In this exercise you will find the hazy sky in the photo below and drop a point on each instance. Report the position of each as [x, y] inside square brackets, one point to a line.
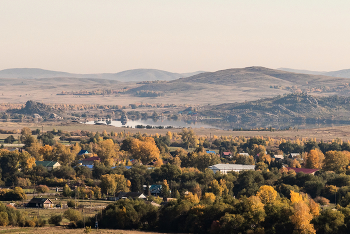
[95, 36]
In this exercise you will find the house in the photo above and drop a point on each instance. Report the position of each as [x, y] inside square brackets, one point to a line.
[49, 165]
[244, 154]
[124, 195]
[40, 203]
[224, 168]
[83, 152]
[210, 152]
[303, 170]
[294, 155]
[278, 157]
[89, 161]
[226, 154]
[155, 189]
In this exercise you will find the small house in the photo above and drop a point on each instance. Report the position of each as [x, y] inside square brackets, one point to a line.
[278, 157]
[127, 195]
[83, 152]
[89, 161]
[40, 203]
[226, 154]
[155, 189]
[294, 155]
[224, 168]
[210, 152]
[244, 154]
[49, 165]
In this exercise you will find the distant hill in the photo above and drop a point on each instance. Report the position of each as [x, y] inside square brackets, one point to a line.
[135, 75]
[341, 73]
[250, 77]
[286, 110]
[301, 71]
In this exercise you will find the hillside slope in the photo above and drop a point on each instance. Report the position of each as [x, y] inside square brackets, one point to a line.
[282, 110]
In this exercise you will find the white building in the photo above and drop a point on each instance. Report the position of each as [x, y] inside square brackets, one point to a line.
[224, 168]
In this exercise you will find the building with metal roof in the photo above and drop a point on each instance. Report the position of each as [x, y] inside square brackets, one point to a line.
[224, 168]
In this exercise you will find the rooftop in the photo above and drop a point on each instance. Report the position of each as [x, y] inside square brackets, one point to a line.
[232, 167]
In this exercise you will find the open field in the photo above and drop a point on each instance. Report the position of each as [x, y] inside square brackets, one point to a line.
[58, 230]
[329, 133]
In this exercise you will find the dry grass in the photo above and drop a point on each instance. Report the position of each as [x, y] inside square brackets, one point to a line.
[58, 230]
[329, 133]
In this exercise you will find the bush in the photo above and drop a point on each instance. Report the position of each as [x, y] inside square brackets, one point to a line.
[4, 219]
[73, 215]
[55, 219]
[42, 189]
[70, 203]
[322, 200]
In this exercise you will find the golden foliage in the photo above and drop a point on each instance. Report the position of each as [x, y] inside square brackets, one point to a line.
[267, 194]
[301, 218]
[295, 197]
[193, 198]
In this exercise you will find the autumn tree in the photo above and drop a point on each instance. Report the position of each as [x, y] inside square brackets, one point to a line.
[267, 194]
[314, 159]
[335, 161]
[145, 150]
[107, 151]
[46, 152]
[62, 154]
[114, 183]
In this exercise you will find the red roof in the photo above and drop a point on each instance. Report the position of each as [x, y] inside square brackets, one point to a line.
[92, 159]
[226, 153]
[304, 170]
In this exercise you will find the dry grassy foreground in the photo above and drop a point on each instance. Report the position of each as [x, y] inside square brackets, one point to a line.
[49, 230]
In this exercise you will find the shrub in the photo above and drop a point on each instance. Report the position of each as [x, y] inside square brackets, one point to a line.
[72, 215]
[4, 219]
[70, 203]
[42, 189]
[322, 200]
[55, 219]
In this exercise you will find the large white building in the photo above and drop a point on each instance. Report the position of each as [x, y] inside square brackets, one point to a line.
[224, 168]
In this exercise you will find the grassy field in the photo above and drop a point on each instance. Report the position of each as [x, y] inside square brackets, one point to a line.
[58, 230]
[329, 133]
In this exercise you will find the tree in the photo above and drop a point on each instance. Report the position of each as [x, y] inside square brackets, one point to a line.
[67, 192]
[335, 161]
[193, 198]
[113, 183]
[46, 152]
[10, 139]
[42, 189]
[189, 139]
[107, 152]
[165, 189]
[145, 150]
[55, 219]
[267, 194]
[73, 215]
[62, 154]
[301, 218]
[209, 198]
[314, 159]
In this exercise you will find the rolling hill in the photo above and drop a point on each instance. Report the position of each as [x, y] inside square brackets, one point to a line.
[286, 110]
[341, 73]
[135, 75]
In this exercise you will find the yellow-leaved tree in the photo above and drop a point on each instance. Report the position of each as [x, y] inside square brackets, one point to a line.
[302, 215]
[314, 159]
[267, 194]
[145, 150]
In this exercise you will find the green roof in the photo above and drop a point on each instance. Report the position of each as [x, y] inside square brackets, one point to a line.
[45, 163]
